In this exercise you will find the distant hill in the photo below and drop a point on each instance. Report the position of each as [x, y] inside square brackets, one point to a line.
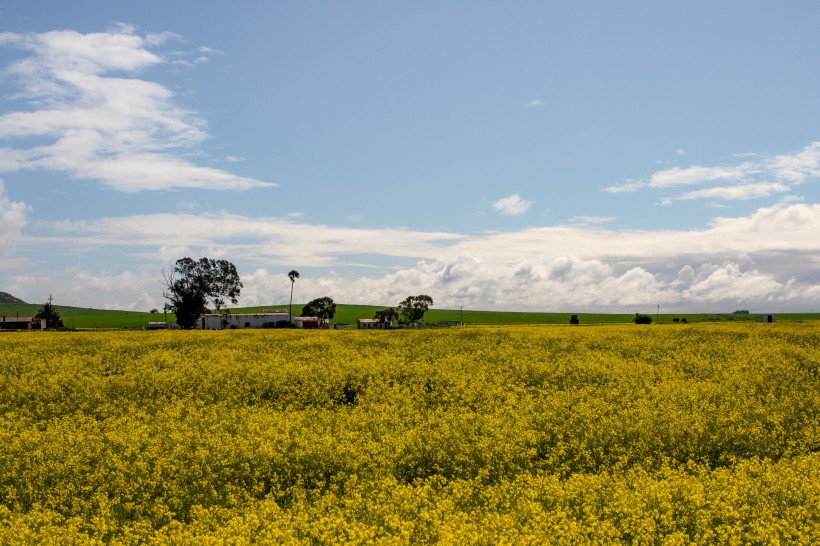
[5, 297]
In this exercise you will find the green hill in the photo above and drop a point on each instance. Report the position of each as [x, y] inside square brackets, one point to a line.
[5, 297]
[87, 318]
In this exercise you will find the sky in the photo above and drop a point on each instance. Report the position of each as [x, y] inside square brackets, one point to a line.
[576, 156]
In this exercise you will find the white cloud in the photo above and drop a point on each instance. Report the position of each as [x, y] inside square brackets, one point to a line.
[564, 283]
[740, 192]
[785, 228]
[758, 176]
[680, 151]
[535, 102]
[12, 220]
[767, 258]
[98, 121]
[799, 167]
[127, 290]
[586, 220]
[629, 186]
[257, 240]
[512, 205]
[697, 175]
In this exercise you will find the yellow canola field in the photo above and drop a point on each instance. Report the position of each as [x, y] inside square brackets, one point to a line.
[663, 434]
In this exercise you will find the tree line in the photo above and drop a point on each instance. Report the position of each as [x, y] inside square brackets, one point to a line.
[193, 285]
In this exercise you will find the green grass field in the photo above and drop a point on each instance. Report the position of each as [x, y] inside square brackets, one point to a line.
[86, 318]
[348, 314]
[82, 318]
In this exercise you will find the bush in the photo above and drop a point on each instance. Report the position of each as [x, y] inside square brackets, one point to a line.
[642, 319]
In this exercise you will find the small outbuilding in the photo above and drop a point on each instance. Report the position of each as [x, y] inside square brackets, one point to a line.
[308, 323]
[162, 326]
[372, 324]
[766, 318]
[21, 322]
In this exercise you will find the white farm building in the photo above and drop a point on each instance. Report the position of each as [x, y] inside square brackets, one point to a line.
[372, 324]
[241, 320]
[230, 321]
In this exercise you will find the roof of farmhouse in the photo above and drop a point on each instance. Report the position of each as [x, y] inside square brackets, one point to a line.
[245, 314]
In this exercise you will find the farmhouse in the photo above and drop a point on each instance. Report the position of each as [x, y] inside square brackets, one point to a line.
[241, 320]
[372, 324]
[21, 322]
[230, 321]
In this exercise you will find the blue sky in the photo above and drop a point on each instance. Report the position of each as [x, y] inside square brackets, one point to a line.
[525, 155]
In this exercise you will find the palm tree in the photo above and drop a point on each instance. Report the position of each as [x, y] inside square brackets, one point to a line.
[49, 313]
[292, 275]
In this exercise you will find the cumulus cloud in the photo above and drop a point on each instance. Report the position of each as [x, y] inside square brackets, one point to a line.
[93, 118]
[512, 205]
[549, 284]
[126, 290]
[562, 283]
[771, 257]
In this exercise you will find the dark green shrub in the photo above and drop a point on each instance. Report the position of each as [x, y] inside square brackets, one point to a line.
[642, 319]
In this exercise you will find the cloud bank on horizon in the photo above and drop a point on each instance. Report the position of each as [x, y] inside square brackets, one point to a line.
[85, 109]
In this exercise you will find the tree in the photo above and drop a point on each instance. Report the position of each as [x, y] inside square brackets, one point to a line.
[387, 315]
[193, 284]
[292, 275]
[49, 313]
[412, 309]
[154, 311]
[322, 308]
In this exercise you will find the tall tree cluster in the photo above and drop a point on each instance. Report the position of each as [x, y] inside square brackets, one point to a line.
[413, 308]
[323, 308]
[194, 284]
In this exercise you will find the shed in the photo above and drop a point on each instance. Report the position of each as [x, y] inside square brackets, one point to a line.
[372, 324]
[308, 323]
[766, 318]
[21, 322]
